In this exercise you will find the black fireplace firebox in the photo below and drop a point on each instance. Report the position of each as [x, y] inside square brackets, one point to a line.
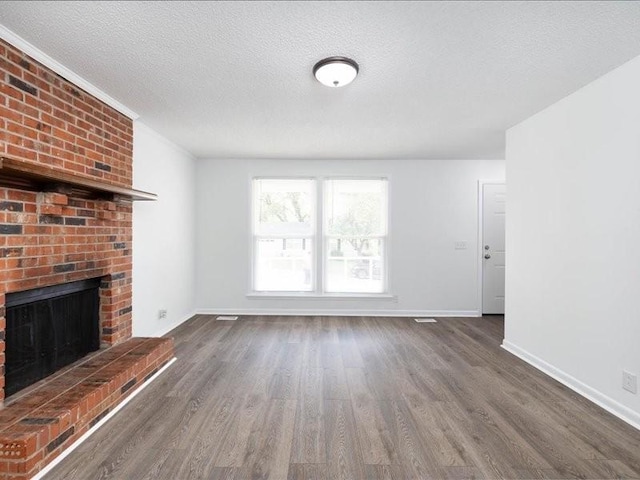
[49, 328]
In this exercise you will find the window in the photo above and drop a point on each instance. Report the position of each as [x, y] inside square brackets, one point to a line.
[320, 237]
[284, 231]
[355, 229]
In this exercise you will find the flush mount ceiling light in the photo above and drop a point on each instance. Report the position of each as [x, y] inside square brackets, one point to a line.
[335, 71]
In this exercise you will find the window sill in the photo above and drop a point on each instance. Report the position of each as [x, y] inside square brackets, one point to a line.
[319, 296]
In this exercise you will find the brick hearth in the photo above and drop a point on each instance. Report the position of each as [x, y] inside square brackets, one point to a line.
[38, 426]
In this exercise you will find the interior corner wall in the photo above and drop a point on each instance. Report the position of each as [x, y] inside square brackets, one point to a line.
[573, 240]
[432, 204]
[163, 234]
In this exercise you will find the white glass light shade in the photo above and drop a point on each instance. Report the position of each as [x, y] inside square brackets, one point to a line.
[335, 71]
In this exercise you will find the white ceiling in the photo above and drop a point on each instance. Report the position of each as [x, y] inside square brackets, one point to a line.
[234, 79]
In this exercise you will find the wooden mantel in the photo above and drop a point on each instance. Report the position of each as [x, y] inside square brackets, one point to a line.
[17, 173]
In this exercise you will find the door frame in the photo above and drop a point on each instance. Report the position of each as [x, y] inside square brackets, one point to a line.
[480, 250]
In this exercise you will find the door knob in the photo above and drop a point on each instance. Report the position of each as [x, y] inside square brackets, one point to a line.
[487, 256]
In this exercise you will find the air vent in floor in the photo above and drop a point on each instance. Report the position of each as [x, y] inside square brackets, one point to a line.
[425, 320]
[227, 317]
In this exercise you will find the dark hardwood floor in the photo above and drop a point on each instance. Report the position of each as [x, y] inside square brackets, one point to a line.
[353, 398]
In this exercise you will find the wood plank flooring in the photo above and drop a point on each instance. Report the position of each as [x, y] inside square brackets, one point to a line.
[328, 398]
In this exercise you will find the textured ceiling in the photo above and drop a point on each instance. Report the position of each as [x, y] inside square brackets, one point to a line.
[233, 79]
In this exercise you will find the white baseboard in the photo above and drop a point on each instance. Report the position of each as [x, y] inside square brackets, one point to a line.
[339, 312]
[597, 397]
[104, 420]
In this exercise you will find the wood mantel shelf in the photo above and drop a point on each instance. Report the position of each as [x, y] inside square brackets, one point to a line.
[17, 173]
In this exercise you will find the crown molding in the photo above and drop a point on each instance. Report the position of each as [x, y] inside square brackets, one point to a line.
[63, 71]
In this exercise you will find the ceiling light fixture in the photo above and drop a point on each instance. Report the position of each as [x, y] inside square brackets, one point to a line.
[335, 71]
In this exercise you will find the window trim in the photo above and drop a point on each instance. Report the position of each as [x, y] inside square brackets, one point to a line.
[320, 240]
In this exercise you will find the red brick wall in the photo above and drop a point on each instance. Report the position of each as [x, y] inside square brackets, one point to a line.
[49, 238]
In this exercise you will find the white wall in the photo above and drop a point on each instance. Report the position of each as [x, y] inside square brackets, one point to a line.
[163, 234]
[573, 239]
[432, 205]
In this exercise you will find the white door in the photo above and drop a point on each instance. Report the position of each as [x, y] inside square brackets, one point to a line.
[493, 217]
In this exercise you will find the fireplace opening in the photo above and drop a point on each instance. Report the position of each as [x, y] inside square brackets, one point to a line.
[48, 328]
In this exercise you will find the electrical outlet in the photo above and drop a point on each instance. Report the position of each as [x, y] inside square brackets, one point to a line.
[162, 314]
[629, 382]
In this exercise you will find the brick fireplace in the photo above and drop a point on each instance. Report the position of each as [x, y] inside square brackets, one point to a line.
[52, 237]
[65, 216]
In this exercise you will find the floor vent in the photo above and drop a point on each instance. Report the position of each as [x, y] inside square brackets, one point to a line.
[227, 317]
[425, 320]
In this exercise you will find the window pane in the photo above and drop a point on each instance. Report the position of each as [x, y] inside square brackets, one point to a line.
[356, 207]
[284, 207]
[355, 265]
[283, 265]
